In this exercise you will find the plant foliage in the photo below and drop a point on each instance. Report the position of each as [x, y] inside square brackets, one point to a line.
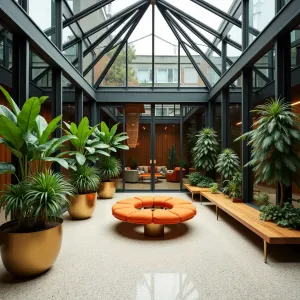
[172, 157]
[287, 216]
[206, 149]
[261, 199]
[85, 179]
[275, 144]
[228, 163]
[233, 187]
[197, 179]
[110, 167]
[214, 188]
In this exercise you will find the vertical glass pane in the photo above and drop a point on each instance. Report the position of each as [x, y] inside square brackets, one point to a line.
[137, 173]
[235, 117]
[295, 50]
[5, 48]
[40, 72]
[140, 52]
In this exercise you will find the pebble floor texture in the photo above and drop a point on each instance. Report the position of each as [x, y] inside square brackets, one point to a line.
[103, 258]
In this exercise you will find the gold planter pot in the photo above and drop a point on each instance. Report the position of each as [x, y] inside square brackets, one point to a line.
[32, 253]
[82, 206]
[107, 190]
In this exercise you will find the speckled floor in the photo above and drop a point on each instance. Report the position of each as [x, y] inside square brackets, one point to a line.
[103, 258]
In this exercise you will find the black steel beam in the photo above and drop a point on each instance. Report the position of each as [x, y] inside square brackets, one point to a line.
[211, 114]
[247, 99]
[153, 45]
[86, 12]
[188, 17]
[140, 95]
[225, 119]
[78, 104]
[136, 20]
[116, 17]
[287, 19]
[15, 18]
[193, 44]
[224, 56]
[111, 44]
[80, 57]
[202, 76]
[218, 12]
[93, 115]
[245, 29]
[126, 64]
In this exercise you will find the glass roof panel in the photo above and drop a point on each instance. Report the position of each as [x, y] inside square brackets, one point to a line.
[221, 4]
[198, 12]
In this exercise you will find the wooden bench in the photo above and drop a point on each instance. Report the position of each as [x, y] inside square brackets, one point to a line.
[249, 217]
[196, 190]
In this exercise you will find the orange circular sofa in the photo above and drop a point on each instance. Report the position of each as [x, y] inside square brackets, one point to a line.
[154, 212]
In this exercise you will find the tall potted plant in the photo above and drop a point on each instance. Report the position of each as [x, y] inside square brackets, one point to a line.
[205, 152]
[109, 167]
[172, 157]
[31, 242]
[275, 144]
[82, 153]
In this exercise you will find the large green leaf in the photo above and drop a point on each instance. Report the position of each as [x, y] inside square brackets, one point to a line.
[102, 152]
[58, 143]
[15, 152]
[40, 125]
[113, 130]
[61, 161]
[80, 158]
[82, 132]
[43, 99]
[11, 102]
[7, 168]
[29, 138]
[30, 110]
[6, 112]
[50, 128]
[124, 147]
[11, 132]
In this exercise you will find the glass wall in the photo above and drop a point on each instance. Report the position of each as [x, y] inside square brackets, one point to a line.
[193, 122]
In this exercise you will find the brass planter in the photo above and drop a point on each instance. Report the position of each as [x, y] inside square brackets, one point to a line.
[107, 190]
[32, 253]
[82, 206]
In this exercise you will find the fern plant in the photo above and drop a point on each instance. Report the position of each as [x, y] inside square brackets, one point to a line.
[85, 179]
[275, 144]
[228, 163]
[206, 150]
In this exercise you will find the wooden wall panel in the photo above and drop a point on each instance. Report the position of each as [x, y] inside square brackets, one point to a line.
[5, 155]
[165, 137]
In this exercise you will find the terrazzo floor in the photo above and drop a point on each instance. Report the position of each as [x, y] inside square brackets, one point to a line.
[103, 258]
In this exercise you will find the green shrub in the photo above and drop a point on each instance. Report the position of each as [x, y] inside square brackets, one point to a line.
[228, 163]
[110, 167]
[197, 179]
[233, 187]
[287, 216]
[261, 198]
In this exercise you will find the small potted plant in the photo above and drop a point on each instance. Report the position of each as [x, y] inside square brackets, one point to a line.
[261, 199]
[214, 188]
[110, 167]
[85, 179]
[31, 241]
[233, 188]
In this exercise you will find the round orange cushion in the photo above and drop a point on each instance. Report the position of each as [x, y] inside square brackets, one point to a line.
[141, 217]
[147, 200]
[183, 213]
[161, 216]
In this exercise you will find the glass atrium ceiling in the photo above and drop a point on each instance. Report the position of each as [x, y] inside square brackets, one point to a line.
[131, 43]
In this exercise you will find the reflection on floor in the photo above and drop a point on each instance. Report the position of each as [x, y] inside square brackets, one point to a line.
[103, 258]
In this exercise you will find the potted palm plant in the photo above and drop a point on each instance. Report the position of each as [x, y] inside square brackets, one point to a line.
[31, 241]
[109, 168]
[85, 179]
[82, 153]
[205, 152]
[275, 145]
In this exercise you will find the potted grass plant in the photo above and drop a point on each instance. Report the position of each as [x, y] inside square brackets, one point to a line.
[83, 153]
[109, 167]
[31, 241]
[85, 179]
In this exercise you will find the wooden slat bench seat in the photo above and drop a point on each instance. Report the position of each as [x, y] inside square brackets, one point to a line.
[249, 217]
[196, 190]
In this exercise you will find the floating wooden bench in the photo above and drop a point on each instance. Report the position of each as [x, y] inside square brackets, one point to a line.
[196, 190]
[249, 217]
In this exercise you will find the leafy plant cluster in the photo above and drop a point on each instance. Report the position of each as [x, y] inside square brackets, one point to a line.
[197, 179]
[261, 198]
[214, 188]
[287, 216]
[233, 187]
